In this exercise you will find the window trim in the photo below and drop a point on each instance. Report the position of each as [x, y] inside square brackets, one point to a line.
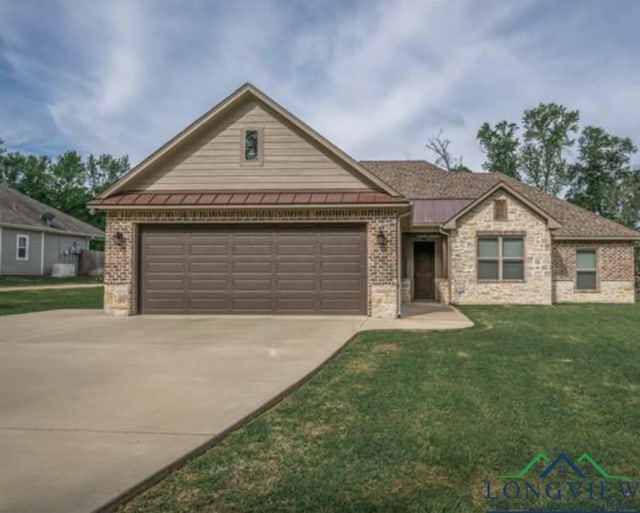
[501, 259]
[260, 160]
[596, 270]
[26, 247]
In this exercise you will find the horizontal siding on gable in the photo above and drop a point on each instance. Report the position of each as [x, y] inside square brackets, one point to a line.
[213, 162]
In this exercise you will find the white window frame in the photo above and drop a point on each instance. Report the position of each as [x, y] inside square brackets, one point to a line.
[595, 270]
[26, 247]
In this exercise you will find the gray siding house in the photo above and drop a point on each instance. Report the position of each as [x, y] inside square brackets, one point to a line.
[34, 236]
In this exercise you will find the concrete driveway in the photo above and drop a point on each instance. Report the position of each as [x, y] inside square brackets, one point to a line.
[91, 405]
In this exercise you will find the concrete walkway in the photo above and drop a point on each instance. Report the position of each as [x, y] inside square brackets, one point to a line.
[47, 287]
[422, 316]
[90, 405]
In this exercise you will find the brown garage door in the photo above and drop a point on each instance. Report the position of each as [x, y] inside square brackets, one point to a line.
[287, 269]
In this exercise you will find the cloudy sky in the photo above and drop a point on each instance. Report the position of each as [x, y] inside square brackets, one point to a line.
[375, 77]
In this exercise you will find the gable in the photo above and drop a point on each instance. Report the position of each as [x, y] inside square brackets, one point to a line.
[506, 192]
[215, 160]
[518, 216]
[208, 155]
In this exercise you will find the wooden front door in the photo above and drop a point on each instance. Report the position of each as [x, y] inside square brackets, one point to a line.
[424, 270]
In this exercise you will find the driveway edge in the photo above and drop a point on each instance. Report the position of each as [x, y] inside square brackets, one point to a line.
[139, 488]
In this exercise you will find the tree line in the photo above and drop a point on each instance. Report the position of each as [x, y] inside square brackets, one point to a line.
[67, 182]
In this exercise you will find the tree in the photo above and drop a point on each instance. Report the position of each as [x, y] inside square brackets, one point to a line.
[500, 144]
[601, 178]
[66, 183]
[548, 130]
[440, 147]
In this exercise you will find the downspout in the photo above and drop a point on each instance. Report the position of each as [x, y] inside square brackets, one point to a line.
[42, 240]
[442, 232]
[0, 250]
[399, 258]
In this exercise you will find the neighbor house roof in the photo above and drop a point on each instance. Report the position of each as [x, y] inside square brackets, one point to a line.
[21, 211]
[244, 199]
[434, 190]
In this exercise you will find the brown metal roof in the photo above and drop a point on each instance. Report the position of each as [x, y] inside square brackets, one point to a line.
[437, 210]
[187, 199]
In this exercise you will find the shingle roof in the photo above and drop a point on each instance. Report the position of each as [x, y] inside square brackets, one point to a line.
[17, 209]
[420, 180]
[199, 199]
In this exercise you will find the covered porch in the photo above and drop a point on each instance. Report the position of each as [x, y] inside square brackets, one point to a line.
[424, 267]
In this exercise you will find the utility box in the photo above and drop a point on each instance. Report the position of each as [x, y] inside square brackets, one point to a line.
[63, 270]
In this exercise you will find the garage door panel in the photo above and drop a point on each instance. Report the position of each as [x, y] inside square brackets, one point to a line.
[304, 269]
[296, 306]
[165, 267]
[329, 268]
[295, 267]
[208, 284]
[205, 268]
[251, 284]
[296, 284]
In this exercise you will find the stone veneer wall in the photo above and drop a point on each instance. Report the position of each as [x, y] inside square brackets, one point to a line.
[382, 262]
[615, 273]
[442, 290]
[466, 289]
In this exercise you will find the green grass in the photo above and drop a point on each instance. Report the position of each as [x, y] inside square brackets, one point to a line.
[28, 281]
[408, 421]
[24, 301]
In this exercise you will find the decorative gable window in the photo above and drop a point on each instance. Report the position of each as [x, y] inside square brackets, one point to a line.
[22, 247]
[500, 210]
[251, 145]
[586, 269]
[500, 259]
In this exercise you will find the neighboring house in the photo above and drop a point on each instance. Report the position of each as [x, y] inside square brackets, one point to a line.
[34, 236]
[248, 210]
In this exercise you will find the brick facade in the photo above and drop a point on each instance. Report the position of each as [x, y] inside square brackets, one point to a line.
[615, 272]
[534, 289]
[382, 260]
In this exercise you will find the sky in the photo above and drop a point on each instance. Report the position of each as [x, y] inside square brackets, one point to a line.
[375, 77]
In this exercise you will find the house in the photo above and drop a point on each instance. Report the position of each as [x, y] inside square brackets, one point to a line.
[34, 236]
[248, 210]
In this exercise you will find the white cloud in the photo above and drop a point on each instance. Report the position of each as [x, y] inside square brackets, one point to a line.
[376, 78]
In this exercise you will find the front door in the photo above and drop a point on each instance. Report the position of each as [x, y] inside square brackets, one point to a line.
[424, 270]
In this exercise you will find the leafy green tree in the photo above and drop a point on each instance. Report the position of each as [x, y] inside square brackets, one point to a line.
[26, 173]
[602, 179]
[66, 183]
[500, 144]
[548, 132]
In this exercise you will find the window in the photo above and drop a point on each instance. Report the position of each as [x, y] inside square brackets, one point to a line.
[500, 258]
[500, 210]
[586, 270]
[251, 145]
[22, 247]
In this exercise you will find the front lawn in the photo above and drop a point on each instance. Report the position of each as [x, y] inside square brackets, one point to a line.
[24, 301]
[407, 421]
[29, 281]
